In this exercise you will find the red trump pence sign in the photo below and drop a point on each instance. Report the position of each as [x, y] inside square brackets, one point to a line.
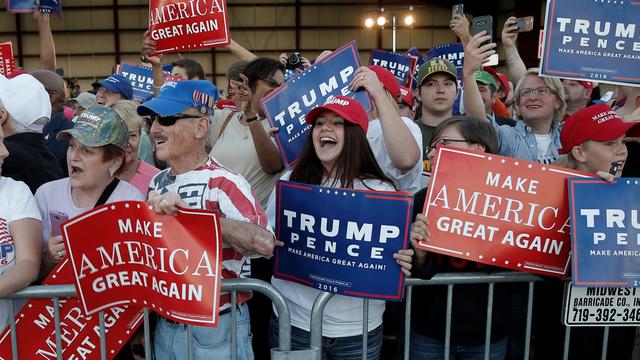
[7, 64]
[499, 211]
[185, 25]
[170, 264]
[79, 334]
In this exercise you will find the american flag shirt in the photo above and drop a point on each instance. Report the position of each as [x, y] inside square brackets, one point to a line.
[213, 187]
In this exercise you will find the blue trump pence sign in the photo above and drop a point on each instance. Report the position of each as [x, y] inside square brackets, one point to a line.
[342, 240]
[601, 42]
[605, 232]
[286, 107]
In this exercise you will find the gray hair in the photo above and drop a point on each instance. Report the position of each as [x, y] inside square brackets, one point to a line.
[18, 128]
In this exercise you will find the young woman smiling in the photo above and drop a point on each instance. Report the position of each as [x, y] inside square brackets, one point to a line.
[337, 154]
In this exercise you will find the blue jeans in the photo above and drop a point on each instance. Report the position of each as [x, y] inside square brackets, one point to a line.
[170, 342]
[423, 347]
[340, 348]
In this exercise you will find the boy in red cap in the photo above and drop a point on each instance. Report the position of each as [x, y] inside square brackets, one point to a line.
[593, 139]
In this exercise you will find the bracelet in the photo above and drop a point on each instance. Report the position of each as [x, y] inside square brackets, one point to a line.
[251, 119]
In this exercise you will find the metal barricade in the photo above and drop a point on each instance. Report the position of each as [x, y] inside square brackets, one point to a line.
[55, 292]
[450, 280]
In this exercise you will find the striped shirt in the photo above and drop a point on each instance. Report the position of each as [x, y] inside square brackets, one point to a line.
[519, 141]
[213, 187]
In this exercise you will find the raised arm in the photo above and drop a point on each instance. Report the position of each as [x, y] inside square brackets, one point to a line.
[515, 65]
[474, 55]
[47, 46]
[460, 26]
[403, 150]
[239, 51]
[148, 47]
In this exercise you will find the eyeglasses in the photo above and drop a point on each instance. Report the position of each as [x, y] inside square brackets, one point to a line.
[272, 83]
[442, 141]
[168, 120]
[541, 91]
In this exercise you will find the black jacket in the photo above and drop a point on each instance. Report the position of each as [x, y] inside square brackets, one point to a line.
[30, 161]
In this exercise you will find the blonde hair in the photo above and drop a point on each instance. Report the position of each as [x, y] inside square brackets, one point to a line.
[554, 84]
[126, 109]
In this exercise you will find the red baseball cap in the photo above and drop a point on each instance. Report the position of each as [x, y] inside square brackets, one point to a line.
[501, 78]
[346, 107]
[406, 95]
[387, 79]
[587, 85]
[597, 123]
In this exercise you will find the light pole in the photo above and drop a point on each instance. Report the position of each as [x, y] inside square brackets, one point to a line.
[382, 20]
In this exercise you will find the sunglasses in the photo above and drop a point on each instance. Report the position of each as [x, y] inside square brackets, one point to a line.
[168, 120]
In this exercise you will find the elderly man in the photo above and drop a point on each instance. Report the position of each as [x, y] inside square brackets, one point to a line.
[24, 110]
[180, 116]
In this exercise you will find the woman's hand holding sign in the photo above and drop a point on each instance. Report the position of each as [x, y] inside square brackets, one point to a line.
[419, 232]
[55, 248]
[404, 258]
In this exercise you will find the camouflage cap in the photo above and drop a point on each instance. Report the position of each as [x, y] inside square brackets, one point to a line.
[434, 66]
[99, 126]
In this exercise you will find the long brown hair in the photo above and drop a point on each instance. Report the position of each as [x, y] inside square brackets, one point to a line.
[355, 162]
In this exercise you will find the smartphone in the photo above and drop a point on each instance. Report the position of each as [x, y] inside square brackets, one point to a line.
[525, 23]
[457, 9]
[483, 23]
[57, 218]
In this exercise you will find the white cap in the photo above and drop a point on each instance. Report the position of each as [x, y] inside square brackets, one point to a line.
[25, 99]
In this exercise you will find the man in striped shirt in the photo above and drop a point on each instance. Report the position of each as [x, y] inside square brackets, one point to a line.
[180, 126]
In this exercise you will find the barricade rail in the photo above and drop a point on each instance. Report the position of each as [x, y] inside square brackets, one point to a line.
[55, 292]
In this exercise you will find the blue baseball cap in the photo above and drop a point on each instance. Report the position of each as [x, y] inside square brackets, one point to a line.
[176, 96]
[118, 84]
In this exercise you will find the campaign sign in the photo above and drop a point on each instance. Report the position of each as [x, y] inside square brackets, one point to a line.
[286, 107]
[79, 334]
[511, 213]
[50, 6]
[7, 63]
[597, 43]
[141, 78]
[601, 306]
[20, 6]
[414, 52]
[605, 232]
[453, 52]
[183, 25]
[342, 240]
[400, 65]
[170, 264]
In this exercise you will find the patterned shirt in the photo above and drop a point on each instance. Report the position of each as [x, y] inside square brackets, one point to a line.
[519, 141]
[213, 187]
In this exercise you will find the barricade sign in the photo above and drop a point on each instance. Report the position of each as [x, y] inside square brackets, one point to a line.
[605, 232]
[342, 240]
[597, 43]
[7, 63]
[170, 264]
[182, 25]
[286, 107]
[400, 65]
[80, 334]
[598, 306]
[141, 78]
[511, 213]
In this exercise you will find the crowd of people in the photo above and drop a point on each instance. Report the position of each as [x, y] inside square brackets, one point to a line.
[62, 155]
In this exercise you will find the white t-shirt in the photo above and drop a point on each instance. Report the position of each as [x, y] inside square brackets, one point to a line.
[343, 314]
[408, 181]
[56, 195]
[16, 203]
[235, 150]
[543, 142]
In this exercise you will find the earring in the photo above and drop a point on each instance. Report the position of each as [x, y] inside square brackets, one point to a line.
[111, 172]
